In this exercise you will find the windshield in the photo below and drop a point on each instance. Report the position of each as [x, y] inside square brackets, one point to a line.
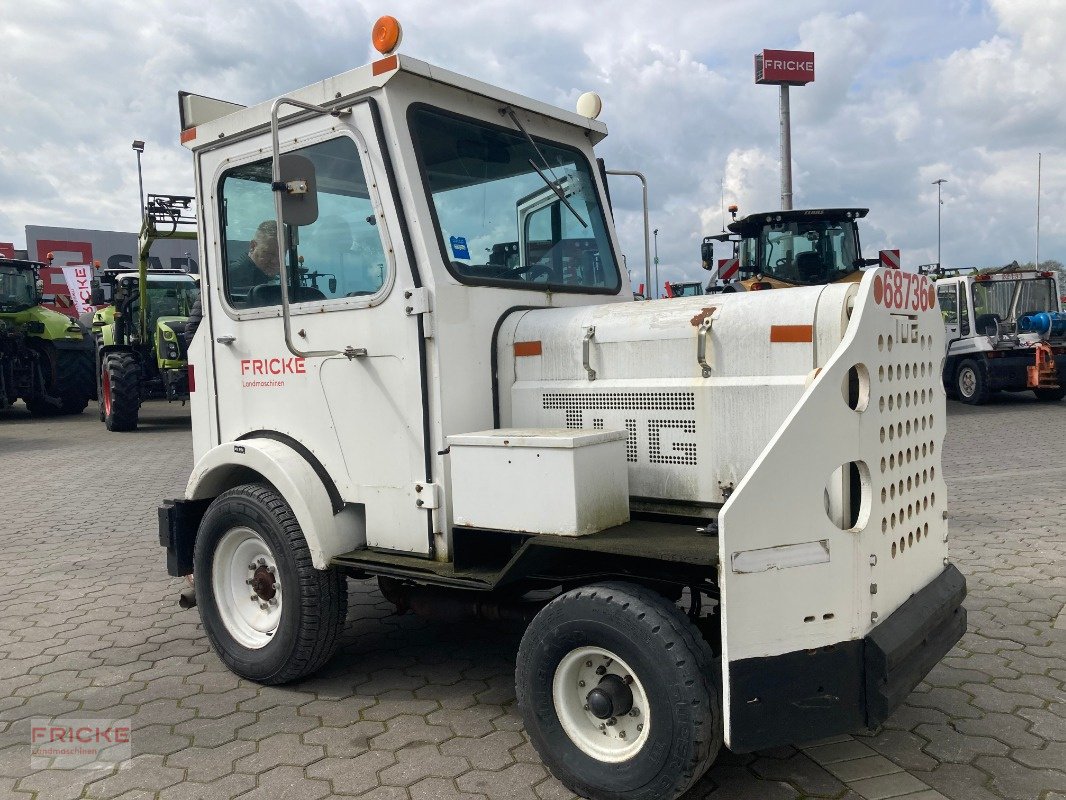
[802, 252]
[998, 297]
[499, 223]
[171, 298]
[17, 288]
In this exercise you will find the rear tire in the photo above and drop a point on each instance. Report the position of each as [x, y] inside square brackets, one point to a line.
[120, 391]
[73, 386]
[264, 641]
[652, 656]
[971, 383]
[1050, 395]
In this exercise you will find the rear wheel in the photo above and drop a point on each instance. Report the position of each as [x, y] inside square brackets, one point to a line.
[268, 613]
[971, 383]
[72, 386]
[120, 391]
[1050, 395]
[618, 694]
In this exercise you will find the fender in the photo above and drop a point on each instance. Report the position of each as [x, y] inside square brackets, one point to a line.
[232, 463]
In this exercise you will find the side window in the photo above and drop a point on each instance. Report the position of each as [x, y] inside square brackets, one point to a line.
[339, 255]
[949, 303]
[964, 311]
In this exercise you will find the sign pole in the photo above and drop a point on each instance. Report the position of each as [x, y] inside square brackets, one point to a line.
[786, 151]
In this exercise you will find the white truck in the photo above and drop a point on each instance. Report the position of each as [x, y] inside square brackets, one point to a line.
[724, 517]
[1005, 331]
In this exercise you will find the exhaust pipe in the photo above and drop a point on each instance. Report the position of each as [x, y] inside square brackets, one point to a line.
[187, 598]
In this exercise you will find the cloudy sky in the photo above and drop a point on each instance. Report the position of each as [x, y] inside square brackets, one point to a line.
[907, 91]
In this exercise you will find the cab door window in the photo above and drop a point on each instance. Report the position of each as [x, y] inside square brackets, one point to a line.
[949, 303]
[339, 256]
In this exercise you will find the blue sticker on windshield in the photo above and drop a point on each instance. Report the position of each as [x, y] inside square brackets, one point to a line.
[459, 248]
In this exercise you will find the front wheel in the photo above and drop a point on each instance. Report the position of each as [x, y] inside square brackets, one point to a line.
[618, 694]
[120, 391]
[1050, 395]
[971, 383]
[269, 614]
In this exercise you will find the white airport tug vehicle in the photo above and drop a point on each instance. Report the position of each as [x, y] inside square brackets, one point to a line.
[1005, 330]
[724, 518]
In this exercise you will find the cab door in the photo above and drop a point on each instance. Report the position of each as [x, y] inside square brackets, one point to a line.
[353, 401]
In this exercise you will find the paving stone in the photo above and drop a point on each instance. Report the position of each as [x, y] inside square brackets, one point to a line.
[207, 764]
[492, 752]
[352, 775]
[801, 772]
[416, 763]
[281, 748]
[287, 783]
[861, 768]
[896, 784]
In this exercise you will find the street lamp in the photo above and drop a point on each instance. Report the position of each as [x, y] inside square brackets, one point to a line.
[656, 234]
[938, 183]
[138, 145]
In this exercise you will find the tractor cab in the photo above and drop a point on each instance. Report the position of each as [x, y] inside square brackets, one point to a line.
[684, 289]
[808, 247]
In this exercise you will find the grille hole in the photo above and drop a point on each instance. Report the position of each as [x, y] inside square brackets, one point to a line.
[847, 496]
[856, 388]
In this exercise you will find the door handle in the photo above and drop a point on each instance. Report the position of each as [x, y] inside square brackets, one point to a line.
[227, 339]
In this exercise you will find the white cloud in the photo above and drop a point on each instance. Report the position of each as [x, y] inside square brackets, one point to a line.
[906, 92]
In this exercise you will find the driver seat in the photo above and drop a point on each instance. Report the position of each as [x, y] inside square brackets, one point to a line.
[809, 266]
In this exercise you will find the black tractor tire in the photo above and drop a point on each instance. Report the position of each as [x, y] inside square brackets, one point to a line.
[1050, 395]
[98, 361]
[313, 604]
[120, 391]
[72, 385]
[971, 383]
[672, 668]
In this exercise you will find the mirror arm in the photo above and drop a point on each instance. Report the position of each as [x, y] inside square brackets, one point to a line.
[275, 183]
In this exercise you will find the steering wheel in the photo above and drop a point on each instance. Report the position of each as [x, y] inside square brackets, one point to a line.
[781, 262]
[534, 270]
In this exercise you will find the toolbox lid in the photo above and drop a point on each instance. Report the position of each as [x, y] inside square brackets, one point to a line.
[535, 437]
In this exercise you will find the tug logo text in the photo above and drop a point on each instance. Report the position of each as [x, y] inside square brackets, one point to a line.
[269, 373]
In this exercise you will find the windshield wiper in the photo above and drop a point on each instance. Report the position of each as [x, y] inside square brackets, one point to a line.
[551, 184]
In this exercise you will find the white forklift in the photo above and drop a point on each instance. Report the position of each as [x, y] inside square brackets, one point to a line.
[724, 518]
[1005, 331]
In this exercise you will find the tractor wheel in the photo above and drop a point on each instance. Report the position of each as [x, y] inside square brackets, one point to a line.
[971, 383]
[1050, 395]
[72, 386]
[120, 391]
[618, 693]
[268, 613]
[99, 362]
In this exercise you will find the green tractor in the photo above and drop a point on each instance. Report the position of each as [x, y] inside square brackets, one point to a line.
[46, 358]
[140, 335]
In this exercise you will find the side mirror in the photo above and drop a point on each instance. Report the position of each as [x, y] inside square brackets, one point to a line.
[299, 192]
[332, 285]
[96, 296]
[707, 253]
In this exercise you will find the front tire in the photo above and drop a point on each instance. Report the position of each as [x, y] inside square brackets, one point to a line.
[72, 386]
[120, 391]
[971, 383]
[269, 614]
[618, 694]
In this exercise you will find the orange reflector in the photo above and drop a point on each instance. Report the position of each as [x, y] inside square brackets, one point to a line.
[527, 348]
[188, 135]
[791, 333]
[386, 34]
[385, 65]
[192, 380]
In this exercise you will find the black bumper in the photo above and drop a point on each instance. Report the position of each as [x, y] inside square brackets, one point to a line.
[849, 686]
[178, 522]
[1010, 372]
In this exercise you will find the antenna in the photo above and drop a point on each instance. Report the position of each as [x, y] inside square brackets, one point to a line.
[1039, 159]
[723, 204]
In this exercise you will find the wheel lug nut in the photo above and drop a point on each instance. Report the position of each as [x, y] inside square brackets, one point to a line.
[628, 679]
[249, 581]
[588, 663]
[251, 567]
[273, 601]
[621, 734]
[634, 712]
[255, 598]
[640, 726]
[580, 683]
[612, 721]
[586, 706]
[601, 670]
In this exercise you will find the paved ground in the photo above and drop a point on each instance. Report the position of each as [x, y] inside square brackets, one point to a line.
[89, 627]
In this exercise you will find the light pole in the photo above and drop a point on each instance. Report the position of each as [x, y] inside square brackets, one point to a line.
[138, 146]
[656, 234]
[938, 183]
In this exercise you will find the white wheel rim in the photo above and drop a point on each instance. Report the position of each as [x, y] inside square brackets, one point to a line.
[247, 587]
[614, 740]
[967, 382]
